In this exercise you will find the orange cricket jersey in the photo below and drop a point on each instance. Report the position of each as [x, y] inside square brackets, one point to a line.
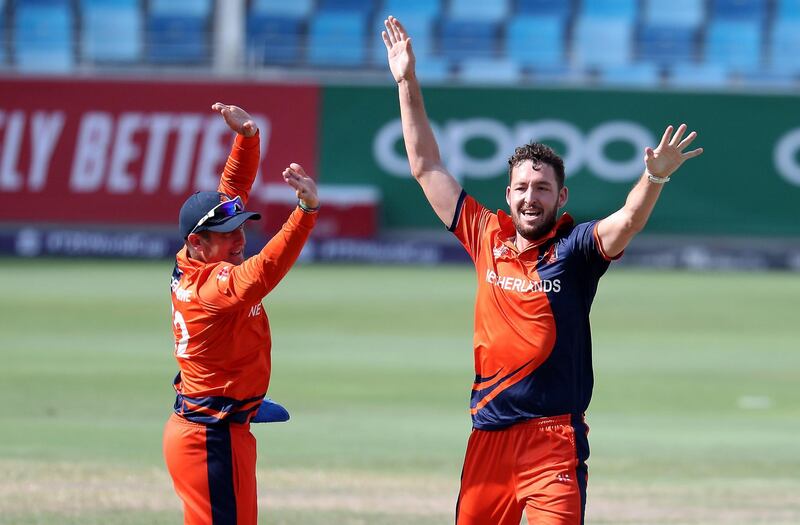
[532, 342]
[222, 334]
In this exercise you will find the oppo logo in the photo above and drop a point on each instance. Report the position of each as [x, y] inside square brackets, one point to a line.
[785, 156]
[580, 149]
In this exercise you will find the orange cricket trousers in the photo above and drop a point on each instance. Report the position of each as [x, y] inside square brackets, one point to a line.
[537, 467]
[213, 469]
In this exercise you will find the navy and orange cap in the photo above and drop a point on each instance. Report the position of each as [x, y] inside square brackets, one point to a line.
[194, 216]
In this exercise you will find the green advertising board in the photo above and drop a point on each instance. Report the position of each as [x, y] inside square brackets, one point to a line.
[746, 183]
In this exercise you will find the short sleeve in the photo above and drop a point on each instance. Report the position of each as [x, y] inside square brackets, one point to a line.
[584, 242]
[469, 221]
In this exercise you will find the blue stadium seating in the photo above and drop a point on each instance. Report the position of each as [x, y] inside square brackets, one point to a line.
[623, 42]
[787, 10]
[187, 8]
[641, 74]
[479, 10]
[467, 39]
[177, 39]
[433, 70]
[364, 7]
[698, 76]
[536, 40]
[489, 71]
[626, 10]
[282, 8]
[275, 39]
[667, 45]
[562, 9]
[337, 39]
[674, 13]
[734, 44]
[784, 47]
[43, 36]
[560, 75]
[616, 37]
[751, 10]
[3, 38]
[417, 9]
[767, 79]
[111, 30]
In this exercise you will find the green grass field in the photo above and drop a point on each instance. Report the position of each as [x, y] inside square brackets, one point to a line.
[695, 418]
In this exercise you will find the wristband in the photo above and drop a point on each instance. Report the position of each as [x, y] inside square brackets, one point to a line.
[306, 208]
[657, 180]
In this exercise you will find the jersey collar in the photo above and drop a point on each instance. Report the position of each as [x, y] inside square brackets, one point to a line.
[508, 231]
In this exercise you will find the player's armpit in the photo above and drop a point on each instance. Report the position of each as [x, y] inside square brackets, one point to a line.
[442, 192]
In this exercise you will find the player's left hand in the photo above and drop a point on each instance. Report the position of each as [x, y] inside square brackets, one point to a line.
[236, 118]
[668, 155]
[304, 186]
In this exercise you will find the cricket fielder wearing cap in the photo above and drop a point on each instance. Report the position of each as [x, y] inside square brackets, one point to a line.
[222, 334]
[537, 275]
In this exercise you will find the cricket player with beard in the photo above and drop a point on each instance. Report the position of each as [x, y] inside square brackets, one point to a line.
[222, 334]
[537, 274]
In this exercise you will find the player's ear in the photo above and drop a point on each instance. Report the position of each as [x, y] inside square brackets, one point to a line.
[563, 196]
[195, 243]
[508, 196]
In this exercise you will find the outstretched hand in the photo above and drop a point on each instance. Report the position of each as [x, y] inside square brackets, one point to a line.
[668, 155]
[398, 48]
[304, 186]
[236, 118]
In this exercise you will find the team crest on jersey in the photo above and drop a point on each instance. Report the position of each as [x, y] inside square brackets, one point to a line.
[551, 255]
[224, 273]
[500, 251]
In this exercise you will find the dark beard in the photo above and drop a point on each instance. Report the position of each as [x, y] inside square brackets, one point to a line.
[536, 232]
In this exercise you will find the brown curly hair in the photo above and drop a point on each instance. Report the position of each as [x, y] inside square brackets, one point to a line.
[538, 154]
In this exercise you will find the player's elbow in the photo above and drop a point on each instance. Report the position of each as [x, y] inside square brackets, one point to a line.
[421, 168]
[631, 224]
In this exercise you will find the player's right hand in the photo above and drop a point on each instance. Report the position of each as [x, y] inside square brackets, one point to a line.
[304, 186]
[236, 118]
[398, 48]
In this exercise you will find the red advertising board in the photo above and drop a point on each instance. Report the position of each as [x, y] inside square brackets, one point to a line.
[130, 152]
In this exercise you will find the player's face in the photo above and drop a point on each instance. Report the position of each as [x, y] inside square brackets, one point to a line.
[228, 247]
[534, 198]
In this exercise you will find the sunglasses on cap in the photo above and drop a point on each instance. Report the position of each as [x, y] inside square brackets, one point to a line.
[223, 210]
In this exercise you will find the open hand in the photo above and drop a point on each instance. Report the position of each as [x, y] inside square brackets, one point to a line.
[236, 118]
[668, 155]
[304, 186]
[398, 47]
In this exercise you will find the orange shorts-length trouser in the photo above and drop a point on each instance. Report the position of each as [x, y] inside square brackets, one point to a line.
[213, 469]
[537, 467]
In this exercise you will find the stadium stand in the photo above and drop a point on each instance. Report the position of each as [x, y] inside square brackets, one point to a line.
[490, 71]
[468, 39]
[687, 75]
[666, 45]
[536, 41]
[616, 35]
[112, 31]
[685, 14]
[337, 38]
[641, 43]
[641, 75]
[43, 36]
[735, 44]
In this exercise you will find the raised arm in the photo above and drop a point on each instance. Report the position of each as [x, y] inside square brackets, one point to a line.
[241, 167]
[440, 188]
[247, 283]
[617, 230]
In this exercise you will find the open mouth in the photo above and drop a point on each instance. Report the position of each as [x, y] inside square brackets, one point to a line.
[531, 213]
